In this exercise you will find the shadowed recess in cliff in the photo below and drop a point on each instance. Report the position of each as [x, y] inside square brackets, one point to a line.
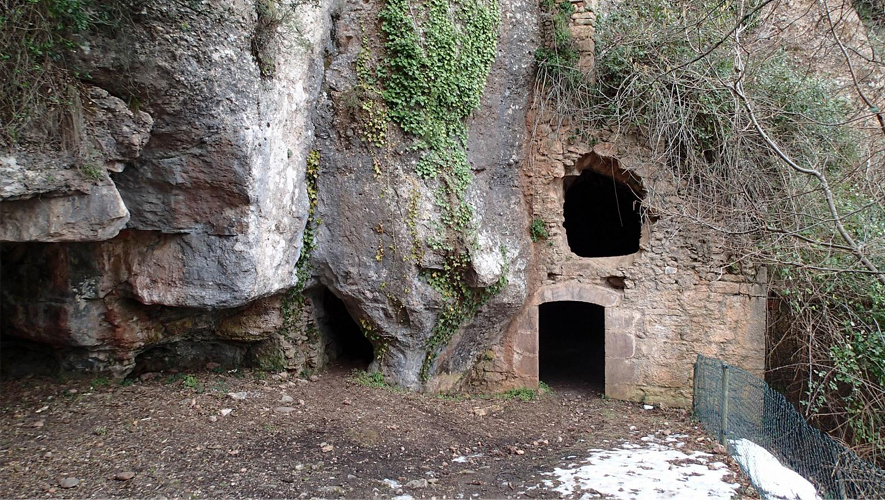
[602, 217]
[571, 344]
[189, 356]
[345, 343]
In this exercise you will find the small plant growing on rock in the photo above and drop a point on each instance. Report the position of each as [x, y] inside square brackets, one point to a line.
[367, 379]
[91, 172]
[100, 382]
[538, 230]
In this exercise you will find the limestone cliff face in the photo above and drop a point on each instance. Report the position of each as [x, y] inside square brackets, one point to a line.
[188, 229]
[378, 215]
[55, 187]
[204, 169]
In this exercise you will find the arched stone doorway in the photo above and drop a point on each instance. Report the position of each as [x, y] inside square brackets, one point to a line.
[617, 325]
[571, 345]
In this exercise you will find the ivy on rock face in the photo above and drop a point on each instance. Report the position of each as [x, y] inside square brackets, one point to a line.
[293, 302]
[438, 57]
[437, 69]
[461, 302]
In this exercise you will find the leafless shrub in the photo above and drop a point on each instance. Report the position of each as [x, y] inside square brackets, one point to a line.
[781, 150]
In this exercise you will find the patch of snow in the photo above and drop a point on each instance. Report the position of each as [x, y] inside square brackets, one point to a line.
[392, 483]
[672, 438]
[769, 476]
[463, 458]
[648, 407]
[656, 470]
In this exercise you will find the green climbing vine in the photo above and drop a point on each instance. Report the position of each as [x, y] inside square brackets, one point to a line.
[438, 54]
[461, 302]
[538, 230]
[438, 57]
[378, 342]
[372, 115]
[292, 305]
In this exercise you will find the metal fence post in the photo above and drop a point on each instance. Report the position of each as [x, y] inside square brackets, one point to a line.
[694, 388]
[723, 408]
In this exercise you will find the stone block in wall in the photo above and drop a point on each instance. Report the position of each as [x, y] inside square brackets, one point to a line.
[622, 320]
[619, 344]
[620, 371]
[675, 374]
[525, 366]
[626, 392]
[667, 397]
[727, 287]
[526, 338]
[585, 18]
[580, 292]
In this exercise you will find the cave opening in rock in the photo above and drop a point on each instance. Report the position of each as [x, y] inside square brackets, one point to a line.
[346, 346]
[602, 217]
[571, 344]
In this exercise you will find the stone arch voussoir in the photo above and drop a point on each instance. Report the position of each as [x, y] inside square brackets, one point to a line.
[578, 292]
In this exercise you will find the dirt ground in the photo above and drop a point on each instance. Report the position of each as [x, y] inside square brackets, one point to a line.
[265, 435]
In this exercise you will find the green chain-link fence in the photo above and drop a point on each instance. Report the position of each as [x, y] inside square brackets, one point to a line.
[733, 404]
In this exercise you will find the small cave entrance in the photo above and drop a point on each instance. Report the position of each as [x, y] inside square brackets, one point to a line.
[602, 217]
[345, 344]
[571, 345]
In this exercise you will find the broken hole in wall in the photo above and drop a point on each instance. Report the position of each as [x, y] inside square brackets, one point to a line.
[602, 211]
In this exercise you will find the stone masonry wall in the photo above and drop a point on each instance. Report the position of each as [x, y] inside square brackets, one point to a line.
[678, 296]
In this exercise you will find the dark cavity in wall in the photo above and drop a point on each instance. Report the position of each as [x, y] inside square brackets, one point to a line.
[189, 356]
[23, 358]
[571, 344]
[602, 217]
[345, 344]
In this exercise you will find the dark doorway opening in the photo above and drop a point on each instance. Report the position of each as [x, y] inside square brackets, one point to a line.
[602, 217]
[571, 344]
[346, 345]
